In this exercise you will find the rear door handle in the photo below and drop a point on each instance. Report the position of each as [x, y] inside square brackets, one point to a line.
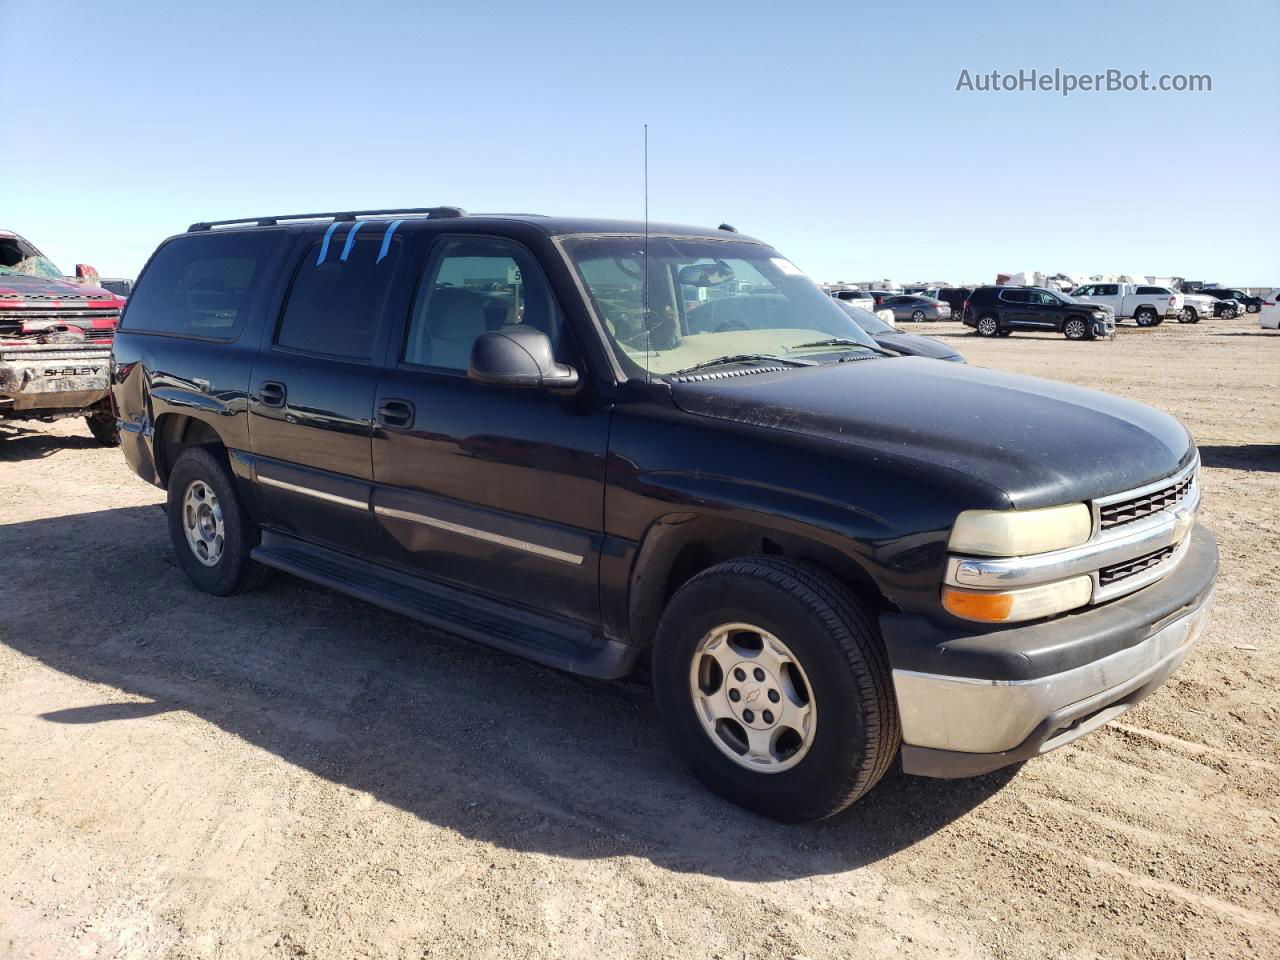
[271, 393]
[396, 413]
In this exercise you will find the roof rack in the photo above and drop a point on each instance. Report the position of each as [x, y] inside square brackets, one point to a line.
[439, 212]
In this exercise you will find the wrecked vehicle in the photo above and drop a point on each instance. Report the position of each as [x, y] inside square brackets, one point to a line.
[55, 340]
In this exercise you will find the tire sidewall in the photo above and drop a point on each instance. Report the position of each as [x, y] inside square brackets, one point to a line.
[994, 329]
[224, 577]
[821, 776]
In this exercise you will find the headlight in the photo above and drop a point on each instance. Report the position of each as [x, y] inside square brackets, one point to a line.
[1099, 315]
[1009, 606]
[1014, 533]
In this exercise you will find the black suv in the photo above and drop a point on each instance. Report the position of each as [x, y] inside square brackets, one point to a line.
[1249, 303]
[956, 296]
[595, 444]
[999, 311]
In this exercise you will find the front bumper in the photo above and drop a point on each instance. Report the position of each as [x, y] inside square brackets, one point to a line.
[973, 703]
[52, 377]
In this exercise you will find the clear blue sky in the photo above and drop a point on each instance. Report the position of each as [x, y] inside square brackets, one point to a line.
[832, 130]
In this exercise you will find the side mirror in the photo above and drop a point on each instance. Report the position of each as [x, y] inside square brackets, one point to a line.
[86, 273]
[519, 356]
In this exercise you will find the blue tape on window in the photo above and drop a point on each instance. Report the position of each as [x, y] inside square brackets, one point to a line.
[351, 238]
[324, 247]
[386, 239]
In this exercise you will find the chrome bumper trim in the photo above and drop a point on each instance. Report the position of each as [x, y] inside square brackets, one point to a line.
[989, 716]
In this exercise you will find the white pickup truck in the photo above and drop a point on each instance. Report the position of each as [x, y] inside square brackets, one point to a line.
[1148, 306]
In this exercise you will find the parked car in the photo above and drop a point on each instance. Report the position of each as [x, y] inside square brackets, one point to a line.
[1247, 302]
[999, 311]
[908, 344]
[1196, 306]
[858, 298]
[952, 296]
[880, 296]
[1228, 308]
[1147, 306]
[916, 308]
[55, 340]
[1269, 314]
[526, 431]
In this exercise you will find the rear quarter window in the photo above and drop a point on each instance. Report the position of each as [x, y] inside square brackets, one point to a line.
[201, 285]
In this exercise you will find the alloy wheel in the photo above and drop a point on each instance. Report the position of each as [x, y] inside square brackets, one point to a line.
[202, 521]
[753, 698]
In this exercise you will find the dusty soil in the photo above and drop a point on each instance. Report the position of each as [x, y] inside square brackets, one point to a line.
[293, 773]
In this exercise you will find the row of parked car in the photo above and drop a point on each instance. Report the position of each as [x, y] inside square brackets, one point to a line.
[1089, 312]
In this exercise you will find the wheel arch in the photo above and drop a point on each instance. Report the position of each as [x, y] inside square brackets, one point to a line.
[175, 432]
[679, 546]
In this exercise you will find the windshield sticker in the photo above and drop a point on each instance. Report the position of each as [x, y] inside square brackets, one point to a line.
[786, 266]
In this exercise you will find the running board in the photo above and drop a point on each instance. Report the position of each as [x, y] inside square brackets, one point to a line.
[543, 639]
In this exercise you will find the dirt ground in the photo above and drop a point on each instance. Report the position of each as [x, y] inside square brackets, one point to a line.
[295, 774]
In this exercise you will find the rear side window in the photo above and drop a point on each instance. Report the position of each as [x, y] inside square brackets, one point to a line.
[1015, 296]
[1148, 291]
[201, 285]
[339, 292]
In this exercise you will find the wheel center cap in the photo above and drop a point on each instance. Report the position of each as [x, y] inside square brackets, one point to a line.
[754, 695]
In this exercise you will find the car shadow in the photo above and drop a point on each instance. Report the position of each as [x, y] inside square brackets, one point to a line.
[20, 443]
[499, 749]
[1264, 457]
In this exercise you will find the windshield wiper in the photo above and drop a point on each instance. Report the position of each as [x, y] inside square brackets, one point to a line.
[745, 358]
[831, 342]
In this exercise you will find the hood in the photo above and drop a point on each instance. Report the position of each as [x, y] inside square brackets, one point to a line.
[1039, 442]
[917, 346]
[18, 290]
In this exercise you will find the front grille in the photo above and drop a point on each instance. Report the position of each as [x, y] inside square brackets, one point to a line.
[1121, 571]
[1135, 508]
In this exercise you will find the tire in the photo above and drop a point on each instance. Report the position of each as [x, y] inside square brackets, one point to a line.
[1188, 315]
[917, 316]
[102, 424]
[1145, 318]
[988, 326]
[219, 521]
[837, 661]
[1076, 329]
[1229, 313]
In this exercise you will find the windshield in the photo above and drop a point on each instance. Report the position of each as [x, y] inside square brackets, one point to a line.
[867, 320]
[18, 256]
[706, 300]
[1061, 297]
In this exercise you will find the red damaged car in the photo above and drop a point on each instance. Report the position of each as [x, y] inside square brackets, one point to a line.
[55, 340]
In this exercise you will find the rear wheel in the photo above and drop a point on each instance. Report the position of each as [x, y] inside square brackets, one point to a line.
[1145, 318]
[988, 326]
[209, 528]
[917, 316]
[773, 685]
[1076, 329]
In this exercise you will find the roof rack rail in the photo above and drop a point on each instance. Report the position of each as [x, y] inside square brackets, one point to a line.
[439, 212]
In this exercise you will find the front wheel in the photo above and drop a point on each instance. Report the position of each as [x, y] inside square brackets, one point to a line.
[102, 424]
[988, 326]
[1229, 313]
[1076, 329]
[1188, 315]
[209, 528]
[772, 682]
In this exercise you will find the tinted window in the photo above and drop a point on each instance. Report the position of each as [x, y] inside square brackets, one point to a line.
[1153, 290]
[338, 294]
[471, 286]
[1015, 296]
[201, 285]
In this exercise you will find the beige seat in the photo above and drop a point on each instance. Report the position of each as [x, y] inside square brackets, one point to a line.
[454, 319]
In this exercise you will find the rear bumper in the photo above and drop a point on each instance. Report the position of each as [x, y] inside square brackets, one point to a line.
[1011, 695]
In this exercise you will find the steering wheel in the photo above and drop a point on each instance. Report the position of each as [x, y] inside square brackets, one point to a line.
[621, 264]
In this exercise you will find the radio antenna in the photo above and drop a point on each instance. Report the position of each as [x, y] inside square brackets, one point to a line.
[648, 326]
